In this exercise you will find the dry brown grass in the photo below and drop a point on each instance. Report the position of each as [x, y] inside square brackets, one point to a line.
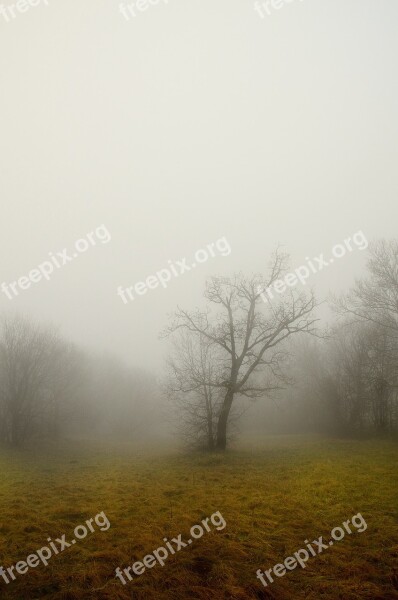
[273, 496]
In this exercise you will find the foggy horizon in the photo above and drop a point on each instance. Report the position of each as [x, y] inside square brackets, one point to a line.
[185, 141]
[198, 300]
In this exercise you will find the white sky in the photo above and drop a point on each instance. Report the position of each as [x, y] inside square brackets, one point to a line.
[193, 121]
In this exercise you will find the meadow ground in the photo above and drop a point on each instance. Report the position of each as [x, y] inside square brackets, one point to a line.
[273, 495]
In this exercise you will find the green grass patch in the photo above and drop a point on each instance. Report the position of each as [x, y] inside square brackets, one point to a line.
[273, 495]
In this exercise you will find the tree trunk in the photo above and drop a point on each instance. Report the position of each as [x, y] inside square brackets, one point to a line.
[209, 415]
[223, 421]
[210, 441]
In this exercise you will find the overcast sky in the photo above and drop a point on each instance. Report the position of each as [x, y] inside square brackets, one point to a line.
[193, 121]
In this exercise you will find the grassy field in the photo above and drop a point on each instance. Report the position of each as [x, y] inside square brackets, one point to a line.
[273, 496]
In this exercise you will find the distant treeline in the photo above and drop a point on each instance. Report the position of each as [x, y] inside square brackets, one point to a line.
[50, 388]
[237, 351]
[342, 379]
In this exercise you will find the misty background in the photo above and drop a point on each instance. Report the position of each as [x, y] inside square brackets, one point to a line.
[192, 122]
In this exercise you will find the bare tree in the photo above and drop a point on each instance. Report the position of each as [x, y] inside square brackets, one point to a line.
[26, 353]
[191, 372]
[49, 387]
[375, 298]
[382, 376]
[348, 383]
[349, 348]
[248, 334]
[374, 302]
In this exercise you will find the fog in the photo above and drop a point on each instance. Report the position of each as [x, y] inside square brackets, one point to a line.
[198, 299]
[190, 124]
